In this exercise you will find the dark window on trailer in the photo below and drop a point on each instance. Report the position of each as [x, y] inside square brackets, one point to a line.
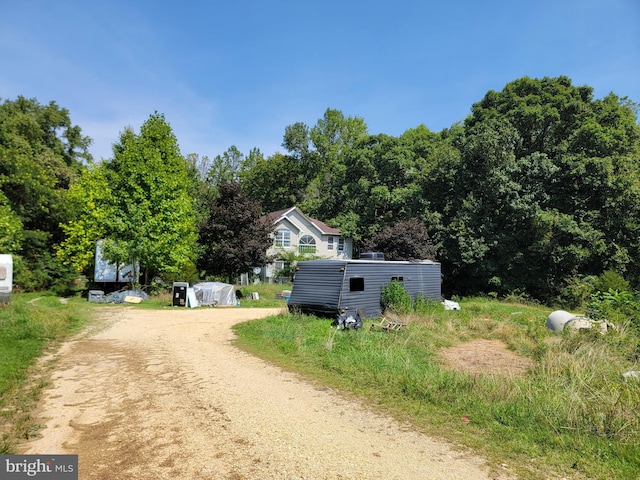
[397, 279]
[356, 284]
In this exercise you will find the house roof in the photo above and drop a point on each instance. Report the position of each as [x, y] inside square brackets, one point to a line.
[321, 226]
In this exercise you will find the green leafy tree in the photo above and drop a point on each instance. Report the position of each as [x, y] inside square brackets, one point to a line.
[297, 140]
[200, 189]
[10, 227]
[536, 190]
[151, 213]
[226, 167]
[290, 258]
[611, 280]
[275, 182]
[90, 198]
[333, 136]
[545, 187]
[382, 185]
[41, 154]
[233, 237]
[404, 240]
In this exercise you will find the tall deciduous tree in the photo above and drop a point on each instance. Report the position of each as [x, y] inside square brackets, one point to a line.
[404, 240]
[333, 136]
[546, 188]
[276, 182]
[90, 199]
[226, 167]
[10, 227]
[382, 183]
[297, 140]
[234, 239]
[152, 216]
[41, 154]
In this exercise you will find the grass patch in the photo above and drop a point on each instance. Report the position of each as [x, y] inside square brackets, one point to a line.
[29, 324]
[570, 415]
[267, 295]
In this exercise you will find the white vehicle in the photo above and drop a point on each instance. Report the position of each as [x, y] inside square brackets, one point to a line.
[6, 277]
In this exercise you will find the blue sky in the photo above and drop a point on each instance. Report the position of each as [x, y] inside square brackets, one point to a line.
[237, 73]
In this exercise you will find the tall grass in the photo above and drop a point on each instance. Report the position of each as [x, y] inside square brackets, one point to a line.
[28, 324]
[572, 414]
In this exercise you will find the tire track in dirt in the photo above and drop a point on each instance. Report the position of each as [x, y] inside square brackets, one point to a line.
[165, 394]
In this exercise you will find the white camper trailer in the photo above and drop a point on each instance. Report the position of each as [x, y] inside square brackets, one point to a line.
[6, 277]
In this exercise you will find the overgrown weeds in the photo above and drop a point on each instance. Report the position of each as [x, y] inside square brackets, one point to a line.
[28, 325]
[572, 414]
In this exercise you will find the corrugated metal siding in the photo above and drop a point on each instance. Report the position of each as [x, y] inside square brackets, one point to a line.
[320, 286]
[375, 277]
[316, 286]
[418, 278]
[430, 282]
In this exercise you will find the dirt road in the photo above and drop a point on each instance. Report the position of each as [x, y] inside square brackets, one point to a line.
[165, 395]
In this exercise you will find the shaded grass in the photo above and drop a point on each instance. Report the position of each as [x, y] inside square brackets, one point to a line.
[572, 415]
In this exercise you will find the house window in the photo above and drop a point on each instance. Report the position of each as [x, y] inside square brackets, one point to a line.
[283, 237]
[397, 279]
[341, 244]
[356, 284]
[280, 265]
[307, 244]
[330, 243]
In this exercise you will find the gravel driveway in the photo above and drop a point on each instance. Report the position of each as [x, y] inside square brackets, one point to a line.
[148, 394]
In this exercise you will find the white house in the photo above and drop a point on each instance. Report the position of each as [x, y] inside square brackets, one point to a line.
[296, 232]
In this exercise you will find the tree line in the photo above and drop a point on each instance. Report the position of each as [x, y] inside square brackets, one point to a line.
[536, 192]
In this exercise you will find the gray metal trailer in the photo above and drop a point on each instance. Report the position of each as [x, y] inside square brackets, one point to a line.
[326, 287]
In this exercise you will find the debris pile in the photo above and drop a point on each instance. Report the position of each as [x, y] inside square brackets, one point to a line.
[121, 297]
[558, 320]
